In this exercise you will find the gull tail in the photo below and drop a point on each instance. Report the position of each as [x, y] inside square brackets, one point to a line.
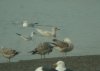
[40, 31]
[33, 52]
[18, 34]
[24, 37]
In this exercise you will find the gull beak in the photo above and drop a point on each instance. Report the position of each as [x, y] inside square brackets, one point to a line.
[54, 65]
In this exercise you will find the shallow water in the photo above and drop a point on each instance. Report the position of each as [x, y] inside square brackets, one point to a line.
[78, 19]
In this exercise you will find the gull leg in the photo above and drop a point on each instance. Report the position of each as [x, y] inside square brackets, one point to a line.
[65, 55]
[44, 57]
[9, 60]
[41, 56]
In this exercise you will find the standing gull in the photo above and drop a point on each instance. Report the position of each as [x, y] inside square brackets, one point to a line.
[43, 48]
[63, 46]
[51, 33]
[8, 53]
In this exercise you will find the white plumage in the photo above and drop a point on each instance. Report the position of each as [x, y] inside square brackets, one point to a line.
[60, 66]
[27, 24]
[67, 40]
[39, 69]
[46, 33]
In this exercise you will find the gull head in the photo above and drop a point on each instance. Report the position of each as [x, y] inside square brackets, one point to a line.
[56, 28]
[60, 63]
[25, 23]
[32, 34]
[59, 66]
[67, 40]
[39, 69]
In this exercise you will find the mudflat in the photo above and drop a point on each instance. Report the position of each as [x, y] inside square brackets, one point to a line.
[75, 63]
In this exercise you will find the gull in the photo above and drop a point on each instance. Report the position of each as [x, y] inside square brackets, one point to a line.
[8, 53]
[27, 38]
[63, 46]
[51, 33]
[67, 40]
[26, 24]
[60, 66]
[43, 48]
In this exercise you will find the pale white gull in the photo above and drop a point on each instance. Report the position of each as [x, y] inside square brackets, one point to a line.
[60, 66]
[46, 33]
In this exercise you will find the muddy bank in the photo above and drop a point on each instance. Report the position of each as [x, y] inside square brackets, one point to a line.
[76, 63]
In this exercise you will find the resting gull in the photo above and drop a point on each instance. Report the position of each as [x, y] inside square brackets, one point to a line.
[8, 53]
[60, 66]
[63, 46]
